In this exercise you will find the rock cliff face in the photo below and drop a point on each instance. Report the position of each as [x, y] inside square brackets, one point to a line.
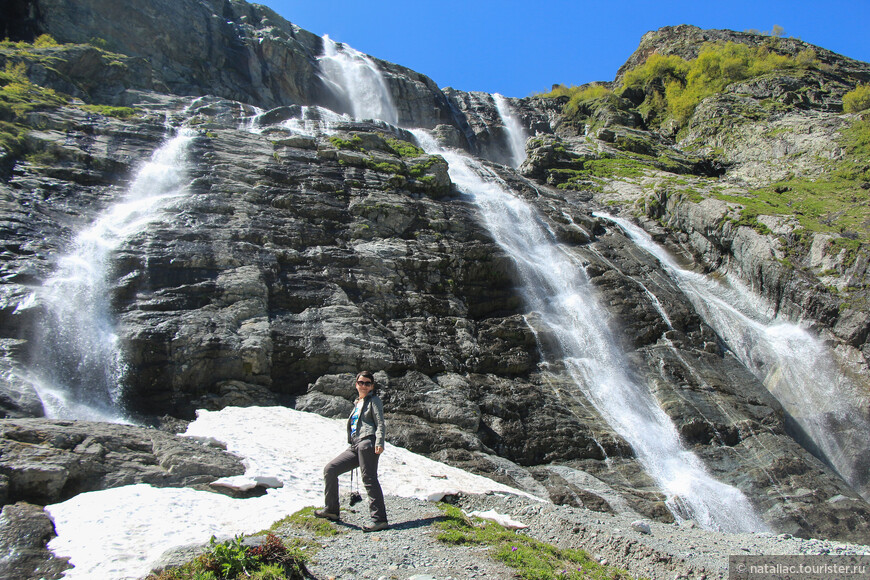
[293, 260]
[227, 48]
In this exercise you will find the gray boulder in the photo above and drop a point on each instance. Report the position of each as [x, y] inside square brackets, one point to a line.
[45, 461]
[25, 529]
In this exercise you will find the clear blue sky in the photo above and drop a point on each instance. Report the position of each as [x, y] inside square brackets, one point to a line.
[517, 47]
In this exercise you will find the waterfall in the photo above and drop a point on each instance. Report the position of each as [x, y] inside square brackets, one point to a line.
[78, 369]
[557, 290]
[357, 82]
[516, 134]
[314, 121]
[794, 366]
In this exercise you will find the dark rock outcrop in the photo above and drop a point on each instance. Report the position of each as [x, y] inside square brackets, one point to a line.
[231, 49]
[25, 529]
[48, 461]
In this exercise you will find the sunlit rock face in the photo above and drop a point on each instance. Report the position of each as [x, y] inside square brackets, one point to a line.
[298, 254]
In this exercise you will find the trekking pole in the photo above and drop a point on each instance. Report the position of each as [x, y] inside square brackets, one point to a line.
[355, 496]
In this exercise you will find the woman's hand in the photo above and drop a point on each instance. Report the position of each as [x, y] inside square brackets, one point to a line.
[378, 449]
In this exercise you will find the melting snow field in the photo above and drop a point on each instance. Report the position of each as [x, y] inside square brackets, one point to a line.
[120, 533]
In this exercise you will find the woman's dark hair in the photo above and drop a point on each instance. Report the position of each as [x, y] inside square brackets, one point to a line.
[371, 377]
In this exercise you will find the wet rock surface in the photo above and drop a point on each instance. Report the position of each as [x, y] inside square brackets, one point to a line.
[24, 531]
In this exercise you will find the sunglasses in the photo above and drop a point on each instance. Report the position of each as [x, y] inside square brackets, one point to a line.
[365, 383]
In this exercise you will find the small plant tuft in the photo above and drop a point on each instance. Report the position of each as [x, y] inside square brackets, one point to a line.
[352, 144]
[44, 41]
[403, 148]
[233, 560]
[230, 559]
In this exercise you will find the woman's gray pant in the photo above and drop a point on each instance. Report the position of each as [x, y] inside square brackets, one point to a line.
[360, 454]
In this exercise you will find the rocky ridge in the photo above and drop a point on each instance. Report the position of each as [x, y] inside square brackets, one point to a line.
[296, 260]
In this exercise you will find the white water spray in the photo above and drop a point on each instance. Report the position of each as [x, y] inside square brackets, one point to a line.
[311, 122]
[315, 121]
[357, 81]
[557, 289]
[795, 367]
[79, 368]
[516, 133]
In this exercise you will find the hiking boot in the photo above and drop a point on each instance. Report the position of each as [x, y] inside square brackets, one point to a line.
[327, 515]
[376, 527]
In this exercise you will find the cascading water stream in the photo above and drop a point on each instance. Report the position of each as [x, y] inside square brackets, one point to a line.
[516, 133]
[312, 121]
[357, 82]
[315, 121]
[78, 368]
[558, 291]
[794, 366]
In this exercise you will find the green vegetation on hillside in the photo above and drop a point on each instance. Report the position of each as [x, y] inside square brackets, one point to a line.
[19, 96]
[687, 83]
[857, 100]
[581, 100]
[672, 87]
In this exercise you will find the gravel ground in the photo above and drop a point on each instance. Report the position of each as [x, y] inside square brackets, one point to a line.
[408, 550]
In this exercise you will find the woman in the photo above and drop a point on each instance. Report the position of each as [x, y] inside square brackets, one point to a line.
[365, 433]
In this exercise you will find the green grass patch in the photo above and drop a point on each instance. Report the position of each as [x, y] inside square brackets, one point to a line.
[770, 133]
[403, 148]
[305, 519]
[692, 194]
[850, 247]
[597, 171]
[828, 206]
[418, 170]
[387, 167]
[19, 96]
[110, 111]
[856, 140]
[583, 100]
[749, 218]
[353, 144]
[586, 102]
[532, 559]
